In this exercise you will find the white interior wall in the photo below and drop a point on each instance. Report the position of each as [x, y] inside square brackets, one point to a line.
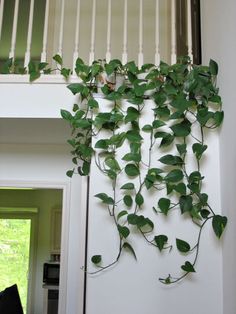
[219, 43]
[133, 287]
[130, 286]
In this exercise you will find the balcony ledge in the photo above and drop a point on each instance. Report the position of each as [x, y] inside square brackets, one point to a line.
[43, 98]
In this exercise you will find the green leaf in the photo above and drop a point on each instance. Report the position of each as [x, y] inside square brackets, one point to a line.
[112, 163]
[160, 241]
[219, 224]
[127, 246]
[133, 136]
[75, 88]
[162, 112]
[149, 181]
[213, 67]
[147, 128]
[185, 203]
[132, 157]
[132, 170]
[92, 103]
[117, 139]
[180, 188]
[174, 176]
[127, 199]
[177, 115]
[83, 123]
[105, 198]
[102, 144]
[161, 134]
[139, 200]
[132, 114]
[182, 129]
[34, 75]
[132, 219]
[58, 59]
[169, 188]
[42, 65]
[171, 160]
[203, 115]
[70, 173]
[7, 66]
[167, 140]
[195, 177]
[66, 115]
[205, 213]
[111, 174]
[86, 168]
[96, 259]
[132, 67]
[128, 186]
[188, 267]
[164, 205]
[180, 103]
[203, 198]
[124, 231]
[218, 117]
[182, 246]
[121, 214]
[198, 150]
[65, 72]
[157, 124]
[182, 148]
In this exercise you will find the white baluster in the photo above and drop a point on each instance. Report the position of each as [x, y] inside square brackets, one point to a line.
[173, 32]
[77, 27]
[91, 54]
[45, 33]
[189, 30]
[125, 54]
[108, 53]
[157, 36]
[29, 35]
[14, 29]
[140, 54]
[1, 16]
[60, 44]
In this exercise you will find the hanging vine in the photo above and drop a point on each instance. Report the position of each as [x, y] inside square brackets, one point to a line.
[181, 102]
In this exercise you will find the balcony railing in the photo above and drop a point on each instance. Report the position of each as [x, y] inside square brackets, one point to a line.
[140, 30]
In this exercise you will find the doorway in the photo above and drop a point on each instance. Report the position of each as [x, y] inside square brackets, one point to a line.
[17, 248]
[32, 233]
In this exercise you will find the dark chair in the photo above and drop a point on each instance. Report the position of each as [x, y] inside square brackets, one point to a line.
[10, 301]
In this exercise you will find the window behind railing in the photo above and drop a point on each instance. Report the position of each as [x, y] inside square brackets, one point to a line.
[140, 30]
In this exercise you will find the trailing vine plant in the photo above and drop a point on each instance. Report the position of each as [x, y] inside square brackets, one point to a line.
[182, 104]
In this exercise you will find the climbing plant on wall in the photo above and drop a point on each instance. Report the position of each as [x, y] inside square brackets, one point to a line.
[158, 117]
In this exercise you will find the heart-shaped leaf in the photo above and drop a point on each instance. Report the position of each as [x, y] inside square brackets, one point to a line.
[188, 267]
[218, 224]
[182, 246]
[96, 259]
[160, 241]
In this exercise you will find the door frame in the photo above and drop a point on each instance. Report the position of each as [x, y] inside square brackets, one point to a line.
[65, 187]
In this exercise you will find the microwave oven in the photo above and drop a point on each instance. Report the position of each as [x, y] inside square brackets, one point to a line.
[51, 273]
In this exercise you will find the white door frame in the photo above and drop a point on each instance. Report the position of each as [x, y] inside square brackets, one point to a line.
[66, 187]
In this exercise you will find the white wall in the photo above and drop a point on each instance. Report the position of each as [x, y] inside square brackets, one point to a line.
[133, 287]
[219, 43]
